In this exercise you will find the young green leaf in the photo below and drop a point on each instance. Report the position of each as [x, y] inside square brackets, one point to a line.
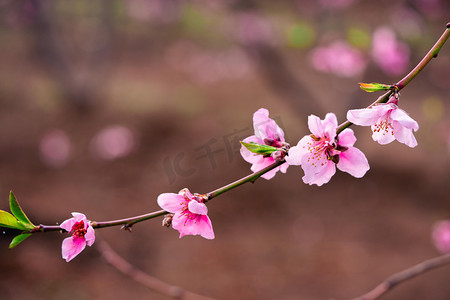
[9, 221]
[259, 149]
[374, 86]
[18, 239]
[17, 210]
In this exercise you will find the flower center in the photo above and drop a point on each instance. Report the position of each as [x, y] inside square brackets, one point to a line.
[186, 212]
[78, 229]
[322, 151]
[384, 126]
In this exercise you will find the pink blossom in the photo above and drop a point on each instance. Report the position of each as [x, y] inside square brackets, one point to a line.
[81, 232]
[441, 236]
[190, 213]
[338, 58]
[391, 55]
[320, 152]
[388, 122]
[267, 132]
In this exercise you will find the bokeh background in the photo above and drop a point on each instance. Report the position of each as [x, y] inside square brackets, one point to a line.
[106, 104]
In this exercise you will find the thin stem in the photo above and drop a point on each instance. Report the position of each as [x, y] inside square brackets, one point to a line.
[430, 55]
[250, 178]
[127, 222]
[390, 282]
[407, 79]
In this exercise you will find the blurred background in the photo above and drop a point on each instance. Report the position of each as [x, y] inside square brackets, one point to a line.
[104, 105]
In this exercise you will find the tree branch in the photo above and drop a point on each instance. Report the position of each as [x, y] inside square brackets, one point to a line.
[139, 276]
[392, 281]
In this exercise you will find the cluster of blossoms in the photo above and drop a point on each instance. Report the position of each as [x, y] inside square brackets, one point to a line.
[318, 154]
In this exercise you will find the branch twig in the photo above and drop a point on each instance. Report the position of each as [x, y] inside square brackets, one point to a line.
[139, 276]
[392, 281]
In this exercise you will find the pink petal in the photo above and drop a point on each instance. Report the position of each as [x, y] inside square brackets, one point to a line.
[263, 163]
[197, 208]
[68, 224]
[346, 138]
[329, 126]
[200, 225]
[368, 116]
[90, 236]
[265, 127]
[319, 173]
[296, 153]
[404, 119]
[315, 126]
[79, 217]
[171, 202]
[354, 162]
[404, 135]
[71, 247]
[186, 194]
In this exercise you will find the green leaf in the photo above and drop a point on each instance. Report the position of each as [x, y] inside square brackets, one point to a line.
[374, 87]
[259, 149]
[9, 221]
[18, 239]
[17, 210]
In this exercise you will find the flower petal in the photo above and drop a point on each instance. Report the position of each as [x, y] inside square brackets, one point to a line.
[383, 137]
[296, 153]
[265, 127]
[71, 247]
[317, 171]
[404, 119]
[404, 135]
[200, 225]
[171, 202]
[319, 175]
[90, 236]
[346, 138]
[315, 125]
[354, 162]
[329, 126]
[369, 116]
[68, 224]
[197, 208]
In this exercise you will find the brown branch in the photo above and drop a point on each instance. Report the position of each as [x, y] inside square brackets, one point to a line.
[392, 281]
[143, 278]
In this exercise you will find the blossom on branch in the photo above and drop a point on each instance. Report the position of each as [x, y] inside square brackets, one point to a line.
[388, 122]
[441, 236]
[190, 213]
[81, 232]
[320, 153]
[267, 132]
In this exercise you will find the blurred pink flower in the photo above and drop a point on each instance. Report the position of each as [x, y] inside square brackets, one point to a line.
[441, 236]
[81, 232]
[339, 58]
[254, 29]
[190, 213]
[55, 148]
[320, 152]
[267, 132]
[113, 142]
[388, 122]
[391, 55]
